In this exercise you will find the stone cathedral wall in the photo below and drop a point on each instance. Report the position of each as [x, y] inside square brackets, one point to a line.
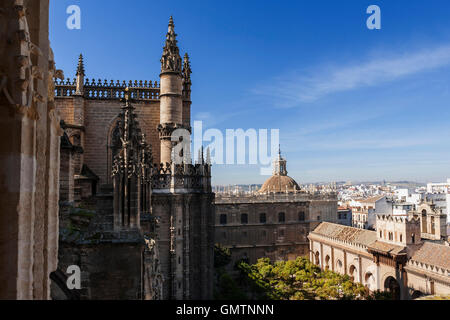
[99, 120]
[278, 240]
[29, 152]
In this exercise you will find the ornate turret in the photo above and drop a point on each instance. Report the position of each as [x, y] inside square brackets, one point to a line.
[80, 76]
[181, 191]
[187, 78]
[171, 99]
[187, 92]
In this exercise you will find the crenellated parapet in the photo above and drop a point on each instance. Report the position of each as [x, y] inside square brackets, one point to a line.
[398, 219]
[109, 90]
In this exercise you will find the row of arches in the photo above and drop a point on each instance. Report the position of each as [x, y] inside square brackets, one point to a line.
[390, 284]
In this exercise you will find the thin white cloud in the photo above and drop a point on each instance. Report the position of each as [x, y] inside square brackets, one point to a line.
[366, 139]
[292, 90]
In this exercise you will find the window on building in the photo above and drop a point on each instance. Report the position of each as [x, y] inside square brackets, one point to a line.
[401, 237]
[262, 218]
[281, 232]
[281, 217]
[318, 218]
[244, 218]
[381, 234]
[301, 216]
[223, 219]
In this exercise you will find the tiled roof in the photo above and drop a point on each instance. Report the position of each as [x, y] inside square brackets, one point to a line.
[372, 199]
[387, 247]
[433, 254]
[279, 184]
[345, 233]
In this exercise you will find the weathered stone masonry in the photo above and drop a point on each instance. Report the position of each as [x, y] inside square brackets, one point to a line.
[29, 151]
[170, 221]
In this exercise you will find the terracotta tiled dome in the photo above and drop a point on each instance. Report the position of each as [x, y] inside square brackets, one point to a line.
[279, 184]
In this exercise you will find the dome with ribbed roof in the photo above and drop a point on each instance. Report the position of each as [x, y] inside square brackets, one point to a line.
[279, 182]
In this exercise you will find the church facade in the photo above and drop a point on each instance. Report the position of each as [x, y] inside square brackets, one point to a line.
[273, 222]
[131, 217]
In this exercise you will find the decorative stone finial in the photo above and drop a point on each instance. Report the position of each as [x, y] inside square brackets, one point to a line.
[208, 156]
[187, 69]
[127, 99]
[80, 77]
[171, 24]
[171, 60]
[80, 68]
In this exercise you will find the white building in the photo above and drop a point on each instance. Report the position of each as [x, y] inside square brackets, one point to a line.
[443, 187]
[402, 208]
[364, 211]
[439, 193]
[403, 195]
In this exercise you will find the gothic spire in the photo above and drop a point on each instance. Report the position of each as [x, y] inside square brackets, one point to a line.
[187, 69]
[171, 60]
[80, 67]
[208, 156]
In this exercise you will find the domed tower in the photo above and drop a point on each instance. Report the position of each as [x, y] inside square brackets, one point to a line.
[279, 182]
[171, 93]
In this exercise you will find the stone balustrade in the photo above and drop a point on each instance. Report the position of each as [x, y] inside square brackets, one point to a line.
[273, 197]
[185, 176]
[104, 90]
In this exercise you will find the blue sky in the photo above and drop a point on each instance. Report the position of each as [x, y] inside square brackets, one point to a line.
[350, 103]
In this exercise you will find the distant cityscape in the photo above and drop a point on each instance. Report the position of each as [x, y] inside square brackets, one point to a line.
[399, 195]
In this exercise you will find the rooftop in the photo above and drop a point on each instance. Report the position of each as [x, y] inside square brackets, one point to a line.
[345, 233]
[371, 199]
[433, 254]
